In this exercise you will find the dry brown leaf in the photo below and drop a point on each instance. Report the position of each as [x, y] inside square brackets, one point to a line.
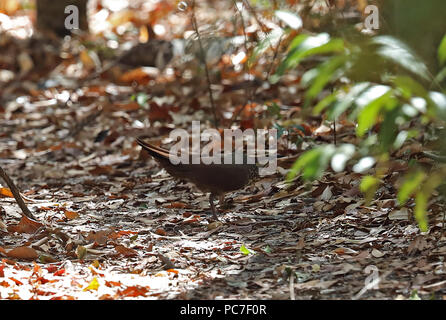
[25, 225]
[23, 253]
[161, 232]
[127, 252]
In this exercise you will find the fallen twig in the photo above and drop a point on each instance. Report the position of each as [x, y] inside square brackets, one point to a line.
[16, 193]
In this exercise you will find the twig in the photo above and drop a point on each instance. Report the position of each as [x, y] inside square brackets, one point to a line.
[203, 60]
[16, 193]
[334, 131]
[254, 14]
[433, 156]
[249, 93]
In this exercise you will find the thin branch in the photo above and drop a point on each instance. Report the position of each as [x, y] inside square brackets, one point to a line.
[334, 132]
[16, 193]
[254, 14]
[203, 60]
[276, 52]
[249, 92]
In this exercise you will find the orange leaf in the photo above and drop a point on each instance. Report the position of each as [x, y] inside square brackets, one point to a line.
[177, 205]
[4, 284]
[22, 253]
[71, 214]
[138, 75]
[17, 282]
[173, 271]
[100, 237]
[65, 297]
[134, 291]
[59, 272]
[122, 233]
[112, 283]
[6, 192]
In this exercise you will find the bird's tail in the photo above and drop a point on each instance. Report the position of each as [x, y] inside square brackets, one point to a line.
[154, 151]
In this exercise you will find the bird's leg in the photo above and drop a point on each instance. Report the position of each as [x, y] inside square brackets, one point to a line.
[211, 201]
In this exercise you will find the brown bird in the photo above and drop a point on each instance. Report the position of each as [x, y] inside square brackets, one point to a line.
[214, 178]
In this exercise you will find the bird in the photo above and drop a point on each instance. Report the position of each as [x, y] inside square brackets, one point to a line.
[216, 179]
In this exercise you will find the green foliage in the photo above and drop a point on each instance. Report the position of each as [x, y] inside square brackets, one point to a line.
[442, 52]
[411, 183]
[382, 85]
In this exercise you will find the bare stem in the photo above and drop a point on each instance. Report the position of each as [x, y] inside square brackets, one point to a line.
[16, 193]
[203, 60]
[249, 93]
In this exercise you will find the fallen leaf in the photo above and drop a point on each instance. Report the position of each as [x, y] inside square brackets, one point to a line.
[81, 252]
[377, 254]
[134, 291]
[127, 252]
[71, 214]
[93, 285]
[22, 253]
[402, 214]
[6, 193]
[161, 232]
[25, 225]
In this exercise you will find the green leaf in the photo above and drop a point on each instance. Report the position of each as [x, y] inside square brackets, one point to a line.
[297, 41]
[141, 98]
[274, 110]
[441, 76]
[402, 137]
[396, 51]
[369, 114]
[442, 51]
[389, 130]
[414, 295]
[324, 103]
[367, 183]
[420, 211]
[409, 87]
[368, 186]
[439, 101]
[267, 249]
[312, 163]
[304, 46]
[347, 101]
[411, 182]
[245, 250]
[328, 71]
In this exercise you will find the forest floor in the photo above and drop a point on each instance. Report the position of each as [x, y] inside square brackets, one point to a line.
[113, 225]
